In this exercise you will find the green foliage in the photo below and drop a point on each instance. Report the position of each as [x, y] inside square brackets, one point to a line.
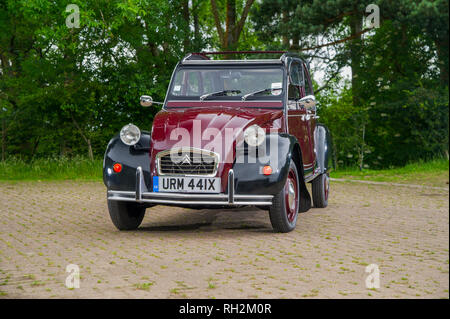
[62, 90]
[406, 105]
[430, 173]
[403, 108]
[66, 92]
[396, 108]
[346, 122]
[58, 168]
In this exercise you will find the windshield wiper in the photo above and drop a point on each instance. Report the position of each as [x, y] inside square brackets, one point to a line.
[219, 93]
[257, 92]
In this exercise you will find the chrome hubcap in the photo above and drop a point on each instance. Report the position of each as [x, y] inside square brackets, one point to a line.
[291, 194]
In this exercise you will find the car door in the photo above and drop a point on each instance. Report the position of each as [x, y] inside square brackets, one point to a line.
[309, 104]
[297, 123]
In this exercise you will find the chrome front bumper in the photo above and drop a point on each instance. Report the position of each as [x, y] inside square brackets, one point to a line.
[142, 195]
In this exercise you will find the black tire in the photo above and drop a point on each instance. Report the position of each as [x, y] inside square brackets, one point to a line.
[321, 190]
[125, 215]
[279, 213]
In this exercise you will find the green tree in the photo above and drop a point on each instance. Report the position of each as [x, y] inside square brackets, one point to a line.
[234, 24]
[79, 86]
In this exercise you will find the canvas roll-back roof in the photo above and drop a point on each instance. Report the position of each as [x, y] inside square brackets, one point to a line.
[202, 58]
[222, 62]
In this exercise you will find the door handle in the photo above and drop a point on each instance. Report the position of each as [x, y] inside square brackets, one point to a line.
[308, 116]
[312, 113]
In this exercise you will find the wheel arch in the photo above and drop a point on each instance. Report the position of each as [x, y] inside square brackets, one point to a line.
[130, 157]
[297, 158]
[323, 146]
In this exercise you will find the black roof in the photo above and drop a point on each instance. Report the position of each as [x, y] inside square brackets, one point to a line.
[202, 58]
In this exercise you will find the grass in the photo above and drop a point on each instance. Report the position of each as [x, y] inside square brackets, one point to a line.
[63, 168]
[431, 173]
[144, 286]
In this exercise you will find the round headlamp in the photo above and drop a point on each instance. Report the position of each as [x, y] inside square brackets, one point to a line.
[130, 134]
[254, 135]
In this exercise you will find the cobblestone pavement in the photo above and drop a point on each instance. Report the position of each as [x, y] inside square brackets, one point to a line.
[178, 253]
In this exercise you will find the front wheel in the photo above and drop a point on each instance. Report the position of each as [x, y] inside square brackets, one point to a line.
[125, 215]
[285, 206]
[321, 190]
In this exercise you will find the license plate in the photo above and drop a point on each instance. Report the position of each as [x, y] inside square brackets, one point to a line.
[186, 184]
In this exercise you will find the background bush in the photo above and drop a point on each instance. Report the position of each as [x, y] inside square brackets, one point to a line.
[65, 92]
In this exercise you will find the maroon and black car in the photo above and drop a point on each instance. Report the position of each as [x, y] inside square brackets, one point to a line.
[230, 133]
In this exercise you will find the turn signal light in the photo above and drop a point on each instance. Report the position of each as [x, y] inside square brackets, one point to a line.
[267, 170]
[117, 167]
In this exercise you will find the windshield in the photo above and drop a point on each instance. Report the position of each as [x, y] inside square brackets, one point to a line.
[229, 83]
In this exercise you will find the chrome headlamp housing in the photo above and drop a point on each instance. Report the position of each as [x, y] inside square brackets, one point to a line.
[254, 135]
[130, 134]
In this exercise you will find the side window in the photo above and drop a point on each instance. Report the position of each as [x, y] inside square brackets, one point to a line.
[308, 86]
[293, 92]
[294, 81]
[294, 72]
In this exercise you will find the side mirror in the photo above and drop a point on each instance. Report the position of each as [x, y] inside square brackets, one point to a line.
[308, 102]
[146, 100]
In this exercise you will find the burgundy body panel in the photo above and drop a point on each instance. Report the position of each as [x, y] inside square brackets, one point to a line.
[207, 118]
[234, 104]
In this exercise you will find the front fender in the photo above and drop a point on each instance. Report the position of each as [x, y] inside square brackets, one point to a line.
[277, 152]
[130, 157]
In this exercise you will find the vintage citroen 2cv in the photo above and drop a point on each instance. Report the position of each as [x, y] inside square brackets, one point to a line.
[230, 133]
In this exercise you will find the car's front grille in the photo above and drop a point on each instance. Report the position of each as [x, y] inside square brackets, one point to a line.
[187, 162]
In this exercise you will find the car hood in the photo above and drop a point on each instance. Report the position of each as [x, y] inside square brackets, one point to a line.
[212, 121]
[199, 122]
